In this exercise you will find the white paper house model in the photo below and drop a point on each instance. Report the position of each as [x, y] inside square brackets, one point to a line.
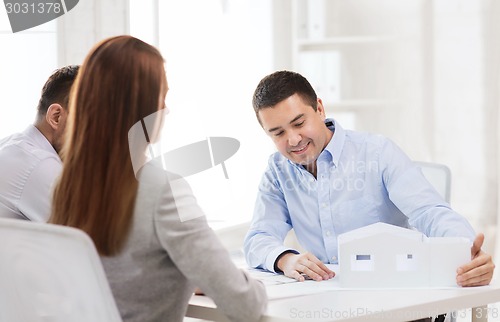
[386, 256]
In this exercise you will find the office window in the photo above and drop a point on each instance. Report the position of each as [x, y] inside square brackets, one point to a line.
[27, 59]
[216, 52]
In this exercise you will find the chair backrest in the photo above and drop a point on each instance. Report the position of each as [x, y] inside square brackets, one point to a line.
[51, 273]
[439, 176]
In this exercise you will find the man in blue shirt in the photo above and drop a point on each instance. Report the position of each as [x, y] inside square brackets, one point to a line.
[326, 180]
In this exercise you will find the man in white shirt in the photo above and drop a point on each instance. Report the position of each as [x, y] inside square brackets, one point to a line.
[29, 161]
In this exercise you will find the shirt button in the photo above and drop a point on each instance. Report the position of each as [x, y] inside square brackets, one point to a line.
[328, 233]
[324, 205]
[334, 258]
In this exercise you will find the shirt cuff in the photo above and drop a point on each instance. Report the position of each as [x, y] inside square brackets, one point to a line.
[272, 256]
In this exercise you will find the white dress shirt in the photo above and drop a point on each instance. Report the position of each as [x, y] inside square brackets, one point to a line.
[29, 166]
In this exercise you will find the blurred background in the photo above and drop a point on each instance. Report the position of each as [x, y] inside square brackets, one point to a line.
[425, 73]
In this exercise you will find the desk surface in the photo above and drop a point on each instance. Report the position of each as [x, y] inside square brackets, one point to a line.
[360, 305]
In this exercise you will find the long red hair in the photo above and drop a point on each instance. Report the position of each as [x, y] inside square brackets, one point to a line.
[119, 83]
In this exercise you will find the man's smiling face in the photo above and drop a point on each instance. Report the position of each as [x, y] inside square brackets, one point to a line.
[298, 131]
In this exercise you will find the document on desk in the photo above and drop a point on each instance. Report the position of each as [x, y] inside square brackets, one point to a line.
[280, 291]
[269, 278]
[279, 286]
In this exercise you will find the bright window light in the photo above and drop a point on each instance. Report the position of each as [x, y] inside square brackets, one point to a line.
[216, 52]
[27, 60]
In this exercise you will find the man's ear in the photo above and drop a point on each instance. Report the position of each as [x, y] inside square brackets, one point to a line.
[320, 108]
[53, 116]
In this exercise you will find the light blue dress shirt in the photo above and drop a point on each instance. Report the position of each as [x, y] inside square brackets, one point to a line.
[361, 179]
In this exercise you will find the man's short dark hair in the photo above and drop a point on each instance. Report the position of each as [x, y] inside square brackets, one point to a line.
[279, 86]
[57, 88]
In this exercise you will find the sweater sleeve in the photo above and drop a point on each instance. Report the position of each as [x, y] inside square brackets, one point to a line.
[199, 255]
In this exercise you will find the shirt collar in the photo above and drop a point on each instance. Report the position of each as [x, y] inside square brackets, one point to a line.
[334, 147]
[40, 139]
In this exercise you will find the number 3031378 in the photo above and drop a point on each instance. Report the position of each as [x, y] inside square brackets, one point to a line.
[41, 7]
[478, 313]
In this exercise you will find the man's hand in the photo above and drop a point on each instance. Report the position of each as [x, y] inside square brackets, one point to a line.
[480, 269]
[293, 265]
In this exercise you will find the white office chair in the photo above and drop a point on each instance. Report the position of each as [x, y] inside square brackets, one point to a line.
[51, 273]
[439, 176]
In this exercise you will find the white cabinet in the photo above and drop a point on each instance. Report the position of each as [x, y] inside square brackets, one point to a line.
[363, 57]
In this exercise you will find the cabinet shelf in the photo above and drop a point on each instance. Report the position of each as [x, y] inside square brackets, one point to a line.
[363, 60]
[334, 42]
[360, 104]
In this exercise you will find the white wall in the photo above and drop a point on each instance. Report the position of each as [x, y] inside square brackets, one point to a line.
[26, 61]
